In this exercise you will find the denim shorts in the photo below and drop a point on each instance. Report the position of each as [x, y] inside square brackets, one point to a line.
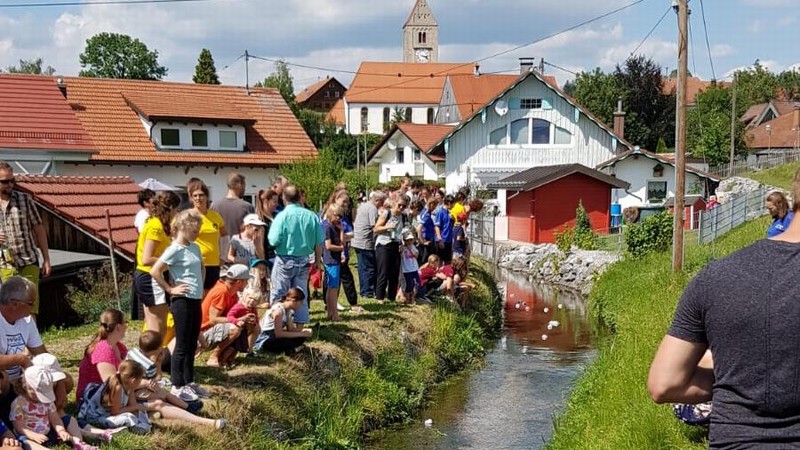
[332, 274]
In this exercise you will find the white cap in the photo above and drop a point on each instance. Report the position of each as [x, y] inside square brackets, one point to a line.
[253, 219]
[42, 380]
[237, 272]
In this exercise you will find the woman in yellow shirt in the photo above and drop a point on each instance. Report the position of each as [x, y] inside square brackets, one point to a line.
[212, 228]
[153, 240]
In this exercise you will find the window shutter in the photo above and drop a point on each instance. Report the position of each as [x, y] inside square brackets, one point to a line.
[547, 103]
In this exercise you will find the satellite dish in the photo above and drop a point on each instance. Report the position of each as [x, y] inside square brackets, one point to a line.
[391, 145]
[501, 108]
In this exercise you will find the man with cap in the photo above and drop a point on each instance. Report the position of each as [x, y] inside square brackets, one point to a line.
[216, 332]
[18, 332]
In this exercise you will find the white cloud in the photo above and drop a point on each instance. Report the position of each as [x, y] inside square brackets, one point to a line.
[663, 52]
[722, 50]
[5, 46]
[755, 26]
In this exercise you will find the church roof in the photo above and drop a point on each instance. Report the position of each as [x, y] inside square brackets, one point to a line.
[421, 7]
[403, 83]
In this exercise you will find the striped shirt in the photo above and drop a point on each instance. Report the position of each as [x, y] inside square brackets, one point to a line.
[17, 221]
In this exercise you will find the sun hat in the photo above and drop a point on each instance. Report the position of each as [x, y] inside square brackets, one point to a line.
[253, 219]
[49, 362]
[42, 380]
[237, 272]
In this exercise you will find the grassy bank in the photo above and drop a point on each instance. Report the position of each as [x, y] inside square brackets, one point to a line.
[610, 407]
[780, 176]
[366, 371]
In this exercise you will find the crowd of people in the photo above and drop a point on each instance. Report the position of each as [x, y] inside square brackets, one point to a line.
[223, 277]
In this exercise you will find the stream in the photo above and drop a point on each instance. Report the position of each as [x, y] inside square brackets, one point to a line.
[511, 401]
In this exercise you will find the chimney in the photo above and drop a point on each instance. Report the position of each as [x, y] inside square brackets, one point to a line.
[619, 120]
[525, 65]
[477, 70]
[62, 86]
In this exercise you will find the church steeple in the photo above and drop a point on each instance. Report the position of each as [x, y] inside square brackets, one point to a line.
[421, 35]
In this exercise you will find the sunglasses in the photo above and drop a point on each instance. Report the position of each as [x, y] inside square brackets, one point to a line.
[8, 181]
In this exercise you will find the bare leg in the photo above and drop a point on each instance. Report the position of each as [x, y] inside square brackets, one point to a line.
[331, 300]
[155, 318]
[62, 388]
[173, 412]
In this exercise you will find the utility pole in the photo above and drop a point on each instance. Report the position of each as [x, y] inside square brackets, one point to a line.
[733, 124]
[682, 8]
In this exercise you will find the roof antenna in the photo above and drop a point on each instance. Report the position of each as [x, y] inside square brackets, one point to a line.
[247, 72]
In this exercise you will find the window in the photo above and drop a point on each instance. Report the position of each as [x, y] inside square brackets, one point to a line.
[563, 137]
[338, 94]
[498, 136]
[656, 191]
[199, 138]
[407, 116]
[530, 103]
[430, 115]
[401, 153]
[541, 132]
[327, 94]
[364, 117]
[227, 139]
[170, 137]
[387, 118]
[417, 155]
[519, 131]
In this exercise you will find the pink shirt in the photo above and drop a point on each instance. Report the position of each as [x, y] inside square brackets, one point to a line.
[102, 353]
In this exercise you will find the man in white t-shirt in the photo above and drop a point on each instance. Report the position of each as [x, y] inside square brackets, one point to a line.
[145, 198]
[18, 332]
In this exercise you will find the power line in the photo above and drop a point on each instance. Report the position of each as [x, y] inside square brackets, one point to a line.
[560, 68]
[708, 45]
[691, 47]
[98, 2]
[651, 30]
[234, 62]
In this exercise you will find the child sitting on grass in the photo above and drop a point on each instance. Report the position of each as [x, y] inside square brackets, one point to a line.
[278, 331]
[245, 316]
[113, 403]
[34, 415]
[435, 278]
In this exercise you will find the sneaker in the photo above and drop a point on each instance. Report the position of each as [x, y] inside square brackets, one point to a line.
[185, 393]
[199, 391]
[194, 407]
[165, 383]
[339, 307]
[220, 424]
[80, 445]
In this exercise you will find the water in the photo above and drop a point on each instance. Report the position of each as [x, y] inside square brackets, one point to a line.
[510, 403]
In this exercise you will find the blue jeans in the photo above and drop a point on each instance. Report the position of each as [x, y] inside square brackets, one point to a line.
[289, 272]
[366, 272]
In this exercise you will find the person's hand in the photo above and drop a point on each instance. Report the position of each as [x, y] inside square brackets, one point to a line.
[306, 331]
[391, 225]
[343, 259]
[39, 438]
[46, 268]
[153, 385]
[10, 442]
[179, 290]
[64, 435]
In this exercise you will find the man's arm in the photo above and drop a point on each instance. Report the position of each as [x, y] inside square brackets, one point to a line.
[41, 241]
[675, 376]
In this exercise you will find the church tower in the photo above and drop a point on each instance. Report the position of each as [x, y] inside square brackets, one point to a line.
[421, 35]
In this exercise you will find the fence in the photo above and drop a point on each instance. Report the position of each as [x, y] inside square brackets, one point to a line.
[481, 233]
[756, 163]
[734, 212]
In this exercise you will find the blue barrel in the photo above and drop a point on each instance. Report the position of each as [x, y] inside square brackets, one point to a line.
[616, 215]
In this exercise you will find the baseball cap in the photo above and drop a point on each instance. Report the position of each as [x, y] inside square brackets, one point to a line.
[408, 236]
[256, 261]
[253, 219]
[237, 272]
[42, 380]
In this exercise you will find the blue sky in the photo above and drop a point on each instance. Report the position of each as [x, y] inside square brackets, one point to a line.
[339, 34]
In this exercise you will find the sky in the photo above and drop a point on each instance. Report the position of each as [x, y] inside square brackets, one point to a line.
[334, 36]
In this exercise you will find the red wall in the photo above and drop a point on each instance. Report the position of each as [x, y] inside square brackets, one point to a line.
[553, 208]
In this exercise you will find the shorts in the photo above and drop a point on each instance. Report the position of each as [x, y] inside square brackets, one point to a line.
[31, 272]
[217, 333]
[147, 290]
[212, 276]
[332, 277]
[412, 281]
[241, 344]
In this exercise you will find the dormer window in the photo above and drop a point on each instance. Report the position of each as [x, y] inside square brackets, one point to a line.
[199, 138]
[658, 171]
[170, 137]
[227, 139]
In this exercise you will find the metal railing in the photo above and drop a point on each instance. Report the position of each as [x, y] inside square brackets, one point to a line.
[481, 233]
[734, 212]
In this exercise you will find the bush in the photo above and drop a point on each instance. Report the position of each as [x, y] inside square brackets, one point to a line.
[581, 235]
[653, 234]
[96, 292]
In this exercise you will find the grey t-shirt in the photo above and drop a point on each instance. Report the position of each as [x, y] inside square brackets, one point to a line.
[233, 211]
[746, 307]
[363, 236]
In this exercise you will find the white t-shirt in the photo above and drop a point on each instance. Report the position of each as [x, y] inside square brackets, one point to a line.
[14, 338]
[140, 219]
[408, 259]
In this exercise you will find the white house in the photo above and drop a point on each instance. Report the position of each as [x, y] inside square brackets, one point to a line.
[154, 129]
[403, 151]
[652, 179]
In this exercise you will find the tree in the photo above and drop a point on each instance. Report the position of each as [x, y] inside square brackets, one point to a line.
[281, 80]
[650, 115]
[112, 55]
[708, 131]
[598, 92]
[789, 83]
[753, 86]
[205, 72]
[32, 67]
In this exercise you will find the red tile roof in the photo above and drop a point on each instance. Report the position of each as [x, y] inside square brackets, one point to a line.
[403, 83]
[693, 87]
[35, 115]
[102, 106]
[471, 93]
[309, 91]
[423, 136]
[784, 132]
[83, 201]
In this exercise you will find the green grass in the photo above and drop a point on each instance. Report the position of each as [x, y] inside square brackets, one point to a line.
[610, 407]
[780, 176]
[369, 370]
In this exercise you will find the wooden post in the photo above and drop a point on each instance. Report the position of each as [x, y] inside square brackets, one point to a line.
[113, 261]
[680, 135]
